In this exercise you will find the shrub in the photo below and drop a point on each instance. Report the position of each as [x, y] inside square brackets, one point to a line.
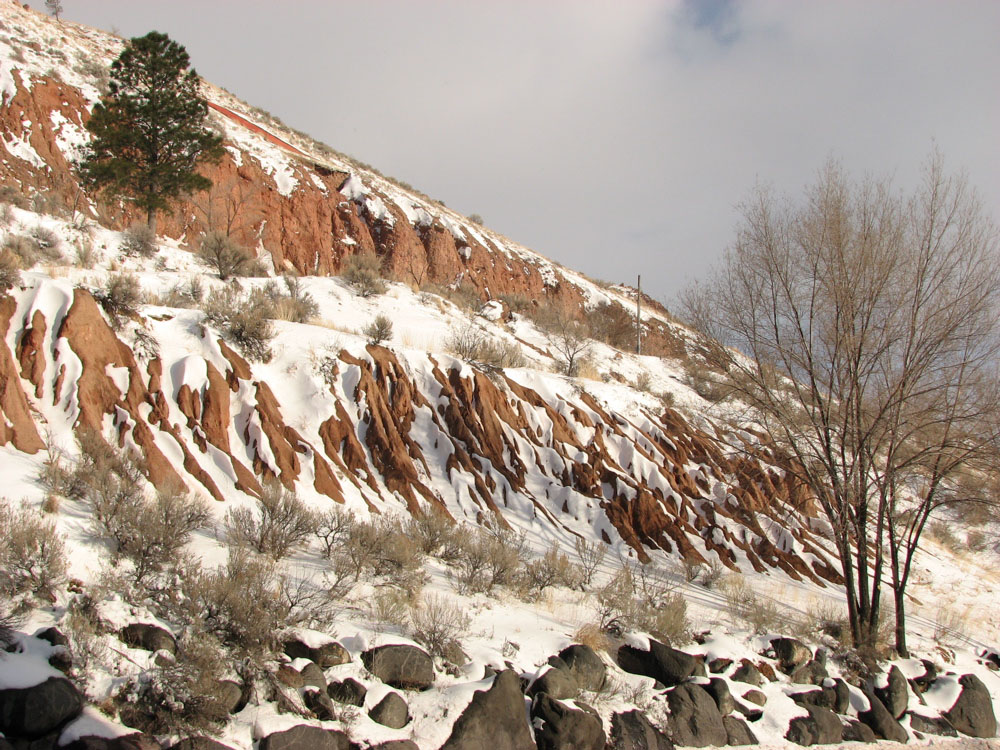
[120, 297]
[379, 330]
[432, 530]
[182, 697]
[709, 387]
[613, 324]
[830, 619]
[32, 556]
[23, 248]
[244, 320]
[10, 270]
[8, 622]
[139, 240]
[363, 271]
[281, 524]
[13, 196]
[47, 243]
[744, 604]
[552, 569]
[568, 338]
[475, 346]
[334, 528]
[643, 381]
[294, 304]
[85, 255]
[184, 295]
[241, 603]
[224, 254]
[382, 549]
[487, 560]
[589, 556]
[438, 625]
[155, 533]
[641, 599]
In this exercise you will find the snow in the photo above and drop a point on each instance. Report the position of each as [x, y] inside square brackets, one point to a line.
[504, 630]
[92, 723]
[19, 671]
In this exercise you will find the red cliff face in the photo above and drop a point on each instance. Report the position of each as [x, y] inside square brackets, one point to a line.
[486, 448]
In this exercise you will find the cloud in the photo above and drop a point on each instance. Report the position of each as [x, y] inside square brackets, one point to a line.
[615, 138]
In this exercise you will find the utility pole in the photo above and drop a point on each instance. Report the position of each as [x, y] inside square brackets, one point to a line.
[638, 310]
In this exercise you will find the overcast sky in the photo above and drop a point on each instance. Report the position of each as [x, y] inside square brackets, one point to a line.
[614, 137]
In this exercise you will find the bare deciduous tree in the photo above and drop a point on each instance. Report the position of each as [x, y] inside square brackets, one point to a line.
[861, 329]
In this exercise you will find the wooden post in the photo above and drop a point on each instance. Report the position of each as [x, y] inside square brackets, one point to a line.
[638, 310]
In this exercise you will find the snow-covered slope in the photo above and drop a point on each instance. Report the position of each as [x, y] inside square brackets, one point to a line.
[397, 431]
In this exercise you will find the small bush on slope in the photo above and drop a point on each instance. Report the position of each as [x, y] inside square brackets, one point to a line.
[379, 330]
[436, 624]
[364, 272]
[120, 297]
[10, 270]
[244, 320]
[225, 256]
[241, 604]
[294, 303]
[138, 241]
[182, 697]
[281, 524]
[32, 555]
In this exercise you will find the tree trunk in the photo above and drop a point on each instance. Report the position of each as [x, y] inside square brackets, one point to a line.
[151, 220]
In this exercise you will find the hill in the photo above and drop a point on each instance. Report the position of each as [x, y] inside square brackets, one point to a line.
[458, 488]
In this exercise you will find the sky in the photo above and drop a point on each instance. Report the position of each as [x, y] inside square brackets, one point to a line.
[617, 138]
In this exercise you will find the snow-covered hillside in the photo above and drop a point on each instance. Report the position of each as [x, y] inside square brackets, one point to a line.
[490, 515]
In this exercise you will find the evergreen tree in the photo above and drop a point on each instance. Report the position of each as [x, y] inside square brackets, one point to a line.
[148, 132]
[54, 7]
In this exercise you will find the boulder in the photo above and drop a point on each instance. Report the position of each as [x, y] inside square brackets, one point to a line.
[326, 655]
[199, 743]
[585, 665]
[836, 697]
[350, 691]
[924, 681]
[972, 713]
[855, 731]
[313, 675]
[737, 731]
[894, 695]
[790, 653]
[402, 666]
[230, 695]
[556, 683]
[755, 696]
[632, 731]
[39, 710]
[932, 725]
[494, 719]
[289, 676]
[718, 688]
[719, 665]
[694, 717]
[395, 745]
[559, 727]
[391, 712]
[148, 637]
[48, 742]
[820, 727]
[53, 636]
[137, 741]
[320, 704]
[813, 672]
[304, 737]
[881, 722]
[664, 664]
[748, 673]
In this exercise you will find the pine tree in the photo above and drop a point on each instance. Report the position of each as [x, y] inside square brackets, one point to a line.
[54, 7]
[148, 132]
